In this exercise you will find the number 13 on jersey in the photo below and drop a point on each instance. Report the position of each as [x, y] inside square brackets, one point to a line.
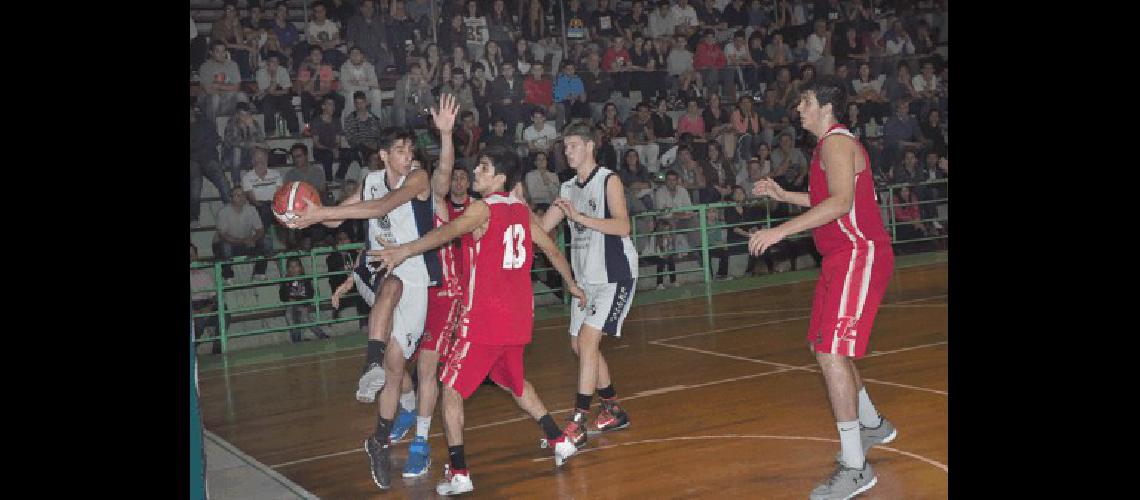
[514, 252]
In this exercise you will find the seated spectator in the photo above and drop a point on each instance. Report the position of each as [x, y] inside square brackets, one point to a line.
[692, 176]
[661, 21]
[778, 52]
[459, 88]
[342, 260]
[260, 184]
[759, 14]
[302, 171]
[411, 98]
[759, 167]
[327, 134]
[637, 20]
[929, 89]
[362, 129]
[274, 86]
[365, 31]
[340, 12]
[671, 196]
[691, 88]
[924, 43]
[541, 184]
[719, 174]
[709, 14]
[636, 178]
[692, 122]
[598, 85]
[272, 46]
[453, 35]
[540, 135]
[898, 40]
[818, 45]
[740, 65]
[481, 94]
[358, 75]
[902, 131]
[286, 34]
[570, 94]
[604, 22]
[746, 122]
[616, 61]
[790, 168]
[241, 135]
[228, 30]
[662, 122]
[317, 79]
[688, 23]
[492, 60]
[204, 162]
[219, 78]
[640, 136]
[539, 92]
[467, 139]
[932, 131]
[662, 250]
[869, 93]
[735, 15]
[711, 62]
[500, 25]
[850, 51]
[773, 117]
[718, 124]
[507, 96]
[910, 172]
[239, 232]
[610, 121]
[604, 152]
[300, 289]
[901, 87]
[908, 223]
[498, 138]
[679, 62]
[738, 233]
[402, 36]
[432, 64]
[323, 33]
[204, 301]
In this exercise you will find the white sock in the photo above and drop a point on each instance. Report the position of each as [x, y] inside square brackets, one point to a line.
[423, 425]
[851, 443]
[408, 400]
[868, 415]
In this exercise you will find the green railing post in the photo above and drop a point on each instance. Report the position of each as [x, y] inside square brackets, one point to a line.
[316, 287]
[891, 213]
[221, 299]
[705, 248]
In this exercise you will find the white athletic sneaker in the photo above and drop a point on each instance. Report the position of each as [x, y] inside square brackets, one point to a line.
[454, 484]
[563, 449]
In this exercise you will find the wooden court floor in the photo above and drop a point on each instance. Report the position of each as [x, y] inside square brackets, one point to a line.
[724, 397]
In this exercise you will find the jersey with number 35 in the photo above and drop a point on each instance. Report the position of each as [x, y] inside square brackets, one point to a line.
[499, 298]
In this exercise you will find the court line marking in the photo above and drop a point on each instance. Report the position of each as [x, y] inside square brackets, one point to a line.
[808, 368]
[637, 395]
[282, 480]
[916, 456]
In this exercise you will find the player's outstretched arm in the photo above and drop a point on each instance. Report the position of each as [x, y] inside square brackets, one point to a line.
[768, 187]
[444, 119]
[351, 199]
[473, 217]
[415, 184]
[551, 219]
[616, 224]
[543, 241]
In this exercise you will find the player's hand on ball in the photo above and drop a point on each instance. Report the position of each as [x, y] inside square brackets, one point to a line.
[768, 187]
[762, 239]
[577, 292]
[307, 217]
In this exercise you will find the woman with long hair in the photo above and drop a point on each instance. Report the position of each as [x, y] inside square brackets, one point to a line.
[523, 58]
[719, 173]
[432, 64]
[492, 59]
[458, 60]
[718, 124]
[746, 121]
[932, 130]
[533, 22]
[610, 122]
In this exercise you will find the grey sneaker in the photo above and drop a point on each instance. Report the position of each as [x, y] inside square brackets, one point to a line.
[845, 483]
[380, 457]
[370, 383]
[871, 436]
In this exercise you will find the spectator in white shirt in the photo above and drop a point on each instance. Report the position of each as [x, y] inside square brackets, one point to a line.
[673, 195]
[357, 74]
[686, 17]
[260, 184]
[540, 136]
[819, 48]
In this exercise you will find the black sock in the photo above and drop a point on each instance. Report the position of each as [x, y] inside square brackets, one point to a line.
[376, 350]
[607, 392]
[455, 454]
[582, 401]
[549, 427]
[383, 429]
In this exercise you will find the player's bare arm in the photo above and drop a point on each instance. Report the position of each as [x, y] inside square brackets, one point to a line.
[444, 119]
[474, 217]
[543, 241]
[768, 187]
[838, 159]
[616, 224]
[415, 185]
[551, 219]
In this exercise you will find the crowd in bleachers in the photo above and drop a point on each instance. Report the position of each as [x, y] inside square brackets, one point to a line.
[691, 101]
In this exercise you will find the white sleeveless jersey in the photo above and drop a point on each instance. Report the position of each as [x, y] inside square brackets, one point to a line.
[597, 257]
[402, 225]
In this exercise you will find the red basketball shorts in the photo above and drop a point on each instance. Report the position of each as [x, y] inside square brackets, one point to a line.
[442, 317]
[847, 296]
[468, 364]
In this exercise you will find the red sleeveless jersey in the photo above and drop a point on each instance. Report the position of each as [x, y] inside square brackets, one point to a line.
[451, 255]
[499, 298]
[863, 223]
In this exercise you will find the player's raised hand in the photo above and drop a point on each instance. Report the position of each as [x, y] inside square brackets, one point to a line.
[307, 217]
[763, 239]
[577, 292]
[444, 115]
[769, 187]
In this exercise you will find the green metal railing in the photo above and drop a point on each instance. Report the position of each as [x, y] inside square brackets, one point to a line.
[225, 313]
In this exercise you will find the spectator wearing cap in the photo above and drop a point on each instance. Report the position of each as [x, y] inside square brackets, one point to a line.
[261, 184]
[240, 232]
[242, 133]
[274, 84]
[219, 78]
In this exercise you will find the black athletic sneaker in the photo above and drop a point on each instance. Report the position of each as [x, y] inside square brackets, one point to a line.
[380, 457]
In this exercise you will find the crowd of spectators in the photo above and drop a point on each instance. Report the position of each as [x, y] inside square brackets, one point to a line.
[691, 101]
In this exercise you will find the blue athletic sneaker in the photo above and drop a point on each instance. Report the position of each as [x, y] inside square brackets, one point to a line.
[404, 421]
[419, 458]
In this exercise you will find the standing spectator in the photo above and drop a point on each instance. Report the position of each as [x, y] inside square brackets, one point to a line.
[597, 84]
[300, 289]
[662, 22]
[317, 79]
[204, 301]
[366, 31]
[570, 93]
[240, 233]
[204, 161]
[219, 78]
[790, 168]
[541, 184]
[540, 136]
[663, 250]
[324, 33]
[539, 91]
[412, 98]
[228, 31]
[358, 75]
[641, 137]
[507, 94]
[402, 35]
[241, 135]
[287, 35]
[712, 64]
[274, 84]
[362, 130]
[260, 184]
[327, 134]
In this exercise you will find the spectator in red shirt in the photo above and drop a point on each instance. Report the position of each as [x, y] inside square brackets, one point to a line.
[540, 92]
[711, 63]
[467, 139]
[908, 221]
[617, 61]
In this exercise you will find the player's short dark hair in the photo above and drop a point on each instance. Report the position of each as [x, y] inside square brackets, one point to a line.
[507, 164]
[580, 130]
[392, 135]
[829, 89]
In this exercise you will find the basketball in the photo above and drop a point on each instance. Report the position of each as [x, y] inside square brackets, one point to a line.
[291, 197]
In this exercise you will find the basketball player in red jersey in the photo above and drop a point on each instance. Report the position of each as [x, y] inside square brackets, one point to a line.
[857, 263]
[498, 313]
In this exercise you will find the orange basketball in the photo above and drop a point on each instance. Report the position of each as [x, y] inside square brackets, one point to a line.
[291, 197]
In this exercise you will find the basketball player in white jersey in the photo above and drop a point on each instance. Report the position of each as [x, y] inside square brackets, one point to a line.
[396, 201]
[605, 266]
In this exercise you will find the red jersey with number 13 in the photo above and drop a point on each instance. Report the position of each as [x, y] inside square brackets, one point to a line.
[499, 297]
